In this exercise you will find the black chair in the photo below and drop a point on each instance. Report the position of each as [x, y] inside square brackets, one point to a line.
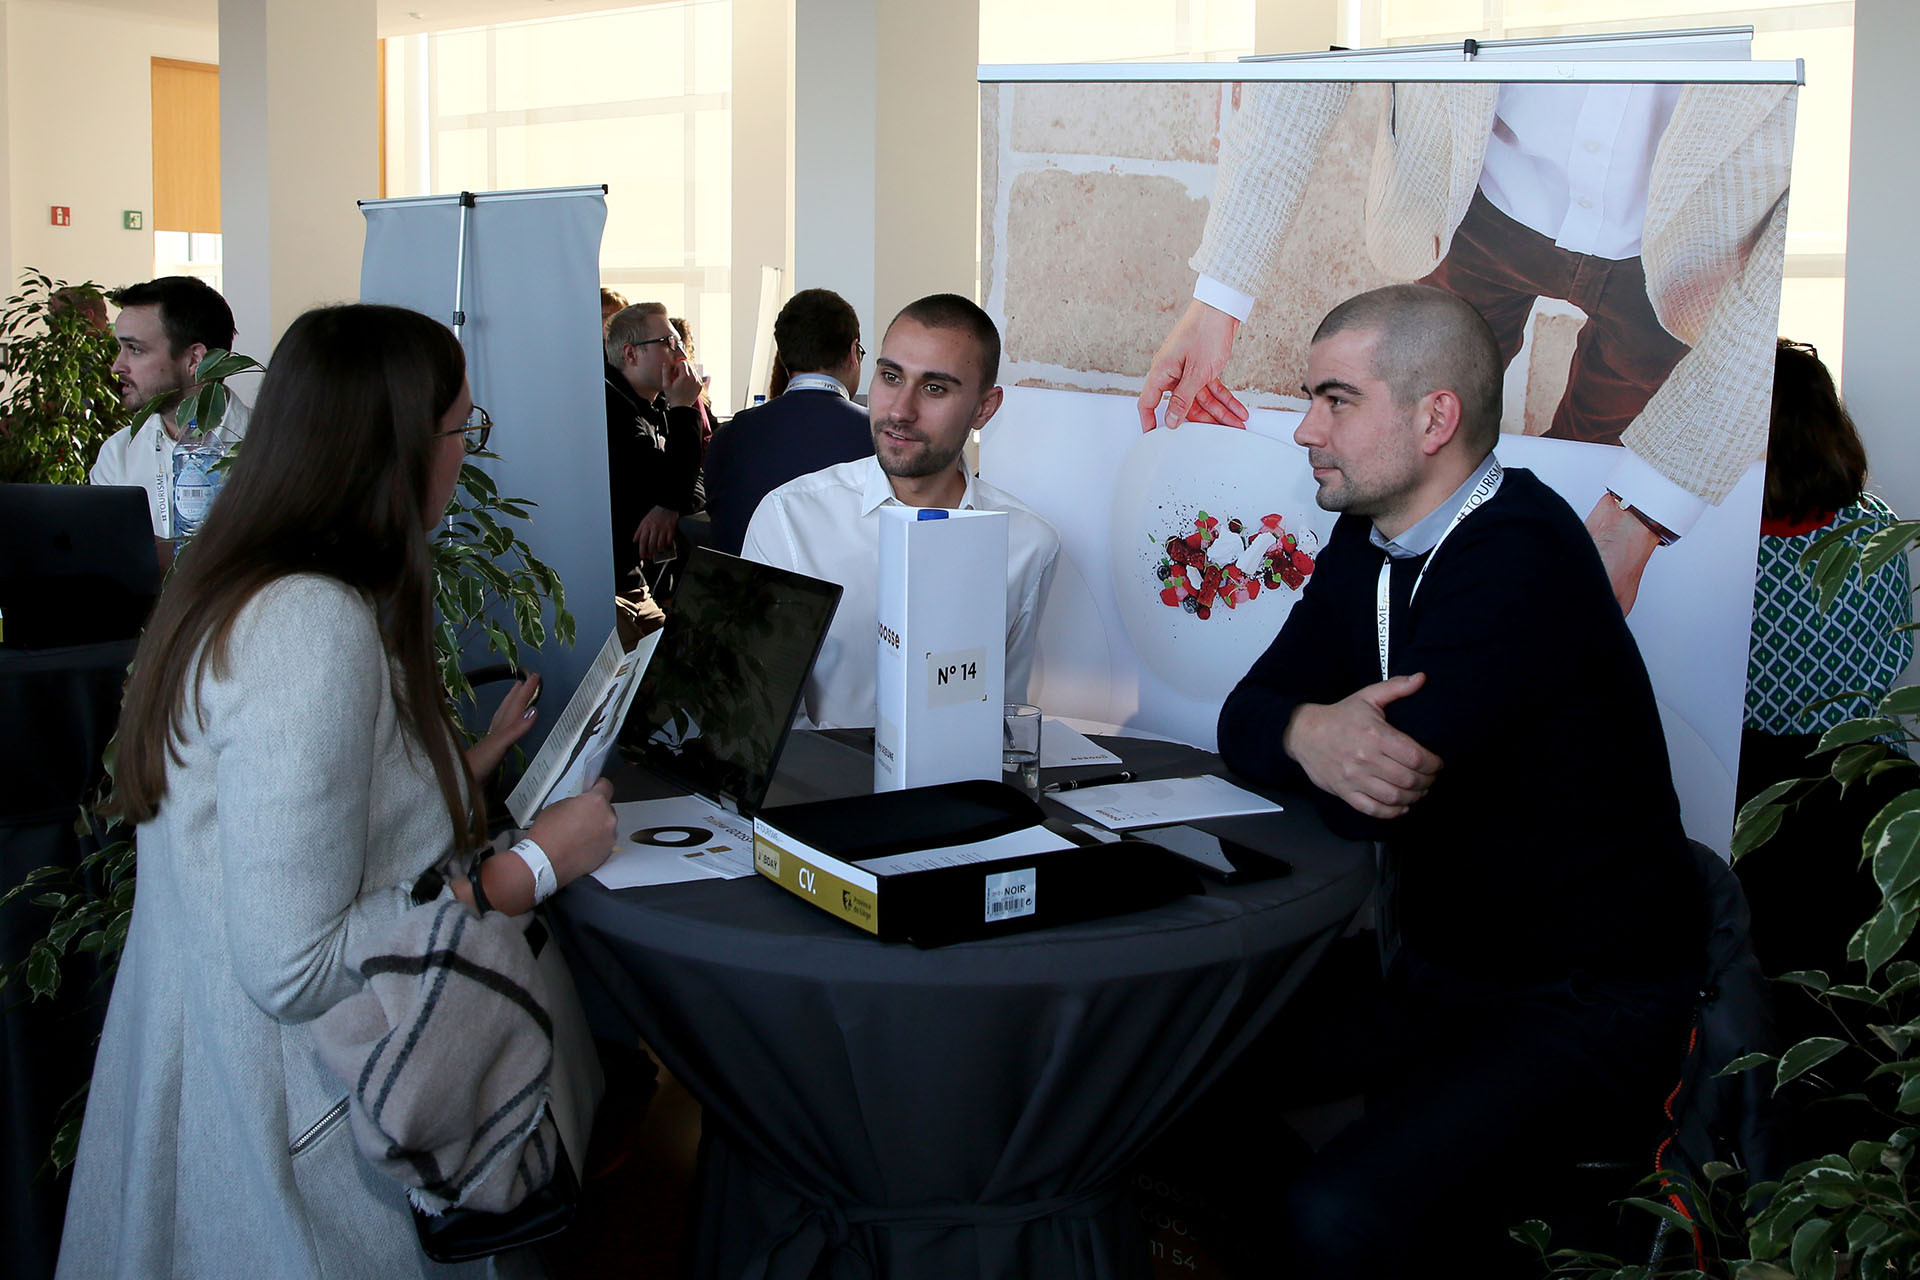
[1705, 1117]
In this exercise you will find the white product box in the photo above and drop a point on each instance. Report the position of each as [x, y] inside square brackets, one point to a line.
[942, 646]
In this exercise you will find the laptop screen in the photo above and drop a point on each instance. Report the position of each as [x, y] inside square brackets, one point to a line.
[77, 563]
[716, 704]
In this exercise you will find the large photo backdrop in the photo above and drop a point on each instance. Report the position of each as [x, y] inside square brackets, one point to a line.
[1634, 288]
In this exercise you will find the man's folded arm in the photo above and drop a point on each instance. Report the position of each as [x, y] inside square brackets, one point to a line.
[1301, 665]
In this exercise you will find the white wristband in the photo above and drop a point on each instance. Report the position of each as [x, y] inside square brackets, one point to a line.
[545, 883]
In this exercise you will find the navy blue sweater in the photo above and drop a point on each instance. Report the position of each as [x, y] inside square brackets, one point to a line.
[1551, 840]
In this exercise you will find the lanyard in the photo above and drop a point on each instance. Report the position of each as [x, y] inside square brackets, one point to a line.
[162, 482]
[1488, 486]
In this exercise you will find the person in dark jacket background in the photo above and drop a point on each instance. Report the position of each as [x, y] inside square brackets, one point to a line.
[812, 424]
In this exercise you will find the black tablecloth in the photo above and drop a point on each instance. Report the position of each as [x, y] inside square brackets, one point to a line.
[58, 709]
[875, 1109]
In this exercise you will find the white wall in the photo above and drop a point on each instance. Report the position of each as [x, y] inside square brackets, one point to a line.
[1883, 254]
[79, 115]
[835, 115]
[7, 274]
[763, 145]
[299, 145]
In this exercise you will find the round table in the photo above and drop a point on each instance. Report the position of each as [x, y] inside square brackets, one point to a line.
[876, 1109]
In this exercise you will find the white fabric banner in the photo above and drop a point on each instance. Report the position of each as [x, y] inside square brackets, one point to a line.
[532, 337]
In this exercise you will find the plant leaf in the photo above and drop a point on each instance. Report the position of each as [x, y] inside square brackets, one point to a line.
[1805, 1056]
[1811, 1257]
[1812, 978]
[1848, 731]
[1882, 936]
[1745, 1062]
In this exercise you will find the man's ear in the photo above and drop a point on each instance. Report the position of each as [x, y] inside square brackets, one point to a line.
[1439, 418]
[989, 405]
[193, 355]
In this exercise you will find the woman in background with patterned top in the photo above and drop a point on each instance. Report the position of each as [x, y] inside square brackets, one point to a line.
[1806, 887]
[1816, 473]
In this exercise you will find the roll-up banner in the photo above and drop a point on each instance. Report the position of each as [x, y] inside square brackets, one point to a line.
[1618, 215]
[525, 280]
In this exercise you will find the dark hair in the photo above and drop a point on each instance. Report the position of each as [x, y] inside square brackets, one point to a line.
[815, 331]
[611, 298]
[333, 479]
[778, 376]
[190, 311]
[1815, 461]
[680, 326]
[951, 311]
[1429, 340]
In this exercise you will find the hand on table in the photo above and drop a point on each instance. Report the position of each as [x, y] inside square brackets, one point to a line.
[510, 723]
[1188, 365]
[1625, 547]
[656, 533]
[1350, 751]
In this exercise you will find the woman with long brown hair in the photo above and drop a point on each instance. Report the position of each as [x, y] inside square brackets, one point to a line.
[286, 748]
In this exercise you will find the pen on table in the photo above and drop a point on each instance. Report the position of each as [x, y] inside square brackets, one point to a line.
[1102, 780]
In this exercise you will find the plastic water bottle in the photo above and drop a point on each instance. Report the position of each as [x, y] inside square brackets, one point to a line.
[196, 482]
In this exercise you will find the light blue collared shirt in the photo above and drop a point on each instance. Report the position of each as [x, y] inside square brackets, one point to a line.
[1424, 534]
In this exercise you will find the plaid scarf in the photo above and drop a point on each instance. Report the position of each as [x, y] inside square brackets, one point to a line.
[447, 1050]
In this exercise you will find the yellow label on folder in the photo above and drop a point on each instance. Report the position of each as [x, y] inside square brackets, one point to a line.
[856, 904]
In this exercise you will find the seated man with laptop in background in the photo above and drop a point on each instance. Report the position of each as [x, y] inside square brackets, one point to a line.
[1458, 682]
[933, 383]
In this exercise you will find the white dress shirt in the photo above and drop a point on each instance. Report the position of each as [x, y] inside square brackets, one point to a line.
[1572, 162]
[144, 457]
[826, 525]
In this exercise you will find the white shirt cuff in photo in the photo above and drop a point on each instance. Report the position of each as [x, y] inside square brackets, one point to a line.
[1223, 297]
[1646, 490]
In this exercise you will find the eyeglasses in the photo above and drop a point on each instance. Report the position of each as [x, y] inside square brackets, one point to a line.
[476, 429]
[672, 340]
[859, 350]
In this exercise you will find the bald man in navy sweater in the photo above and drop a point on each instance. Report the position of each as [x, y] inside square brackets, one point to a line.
[1458, 683]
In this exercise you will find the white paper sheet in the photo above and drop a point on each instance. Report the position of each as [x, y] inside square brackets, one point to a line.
[1016, 844]
[1061, 745]
[1125, 805]
[719, 845]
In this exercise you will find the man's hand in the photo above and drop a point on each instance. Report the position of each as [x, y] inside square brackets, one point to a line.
[656, 533]
[1349, 750]
[1189, 364]
[1625, 547]
[509, 724]
[684, 386]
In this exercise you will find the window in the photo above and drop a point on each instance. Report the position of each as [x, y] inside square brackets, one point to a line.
[640, 99]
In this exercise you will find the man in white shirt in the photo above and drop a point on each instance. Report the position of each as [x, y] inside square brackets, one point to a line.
[1660, 211]
[933, 383]
[164, 328]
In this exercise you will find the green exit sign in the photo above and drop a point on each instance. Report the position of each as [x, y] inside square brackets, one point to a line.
[132, 220]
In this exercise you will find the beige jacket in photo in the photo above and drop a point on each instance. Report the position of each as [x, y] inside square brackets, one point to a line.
[1713, 244]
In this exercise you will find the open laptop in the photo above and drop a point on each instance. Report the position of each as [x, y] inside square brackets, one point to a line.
[717, 701]
[77, 564]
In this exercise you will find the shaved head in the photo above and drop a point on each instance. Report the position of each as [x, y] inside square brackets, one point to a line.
[1427, 339]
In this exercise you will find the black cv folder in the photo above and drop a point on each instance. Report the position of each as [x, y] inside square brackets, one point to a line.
[919, 864]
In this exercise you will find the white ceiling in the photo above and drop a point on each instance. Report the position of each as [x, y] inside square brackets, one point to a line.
[394, 17]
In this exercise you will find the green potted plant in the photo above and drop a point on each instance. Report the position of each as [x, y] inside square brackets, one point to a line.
[1852, 1213]
[58, 399]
